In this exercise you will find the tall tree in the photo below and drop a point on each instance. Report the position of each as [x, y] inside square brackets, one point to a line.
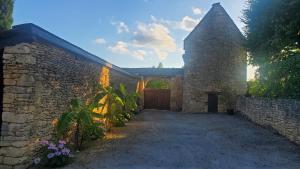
[160, 65]
[273, 40]
[6, 10]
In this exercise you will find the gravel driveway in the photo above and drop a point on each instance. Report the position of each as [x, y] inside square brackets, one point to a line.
[161, 139]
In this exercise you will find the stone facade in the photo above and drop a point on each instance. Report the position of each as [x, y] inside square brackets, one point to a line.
[280, 114]
[176, 93]
[215, 61]
[39, 81]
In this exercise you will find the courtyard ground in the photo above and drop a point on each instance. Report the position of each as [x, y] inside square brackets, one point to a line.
[161, 139]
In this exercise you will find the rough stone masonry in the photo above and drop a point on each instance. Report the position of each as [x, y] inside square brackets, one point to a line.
[41, 74]
[214, 62]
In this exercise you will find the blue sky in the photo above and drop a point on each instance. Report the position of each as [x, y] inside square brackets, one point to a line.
[127, 33]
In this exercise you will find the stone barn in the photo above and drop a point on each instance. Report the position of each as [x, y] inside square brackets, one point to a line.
[215, 64]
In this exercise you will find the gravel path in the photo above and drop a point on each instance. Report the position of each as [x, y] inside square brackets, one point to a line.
[160, 139]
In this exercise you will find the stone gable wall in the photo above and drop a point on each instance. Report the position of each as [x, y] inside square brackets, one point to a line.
[214, 61]
[282, 115]
[39, 82]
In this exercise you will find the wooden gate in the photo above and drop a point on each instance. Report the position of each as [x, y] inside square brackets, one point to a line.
[157, 99]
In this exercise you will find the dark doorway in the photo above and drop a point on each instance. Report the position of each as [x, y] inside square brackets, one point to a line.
[157, 99]
[212, 102]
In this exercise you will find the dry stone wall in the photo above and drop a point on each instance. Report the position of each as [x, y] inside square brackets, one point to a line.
[39, 82]
[280, 114]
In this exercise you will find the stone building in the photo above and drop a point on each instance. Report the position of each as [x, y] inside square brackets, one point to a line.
[215, 64]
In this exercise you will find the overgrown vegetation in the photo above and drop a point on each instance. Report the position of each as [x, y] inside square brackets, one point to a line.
[158, 84]
[119, 105]
[78, 121]
[273, 40]
[85, 121]
[6, 10]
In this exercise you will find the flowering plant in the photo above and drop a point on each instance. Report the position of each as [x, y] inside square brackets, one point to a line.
[54, 155]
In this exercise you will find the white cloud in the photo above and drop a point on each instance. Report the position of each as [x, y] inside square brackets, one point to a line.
[155, 37]
[152, 39]
[122, 48]
[196, 11]
[187, 23]
[180, 51]
[100, 41]
[139, 54]
[121, 27]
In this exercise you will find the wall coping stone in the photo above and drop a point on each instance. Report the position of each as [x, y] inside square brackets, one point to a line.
[29, 32]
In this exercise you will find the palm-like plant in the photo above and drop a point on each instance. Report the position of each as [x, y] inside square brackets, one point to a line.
[112, 108]
[129, 101]
[116, 106]
[80, 118]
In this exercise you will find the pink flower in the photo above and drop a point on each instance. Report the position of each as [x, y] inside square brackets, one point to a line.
[57, 153]
[62, 142]
[65, 151]
[52, 147]
[61, 146]
[44, 142]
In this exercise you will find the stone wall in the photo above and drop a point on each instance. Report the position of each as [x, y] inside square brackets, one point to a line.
[176, 93]
[280, 114]
[215, 61]
[39, 82]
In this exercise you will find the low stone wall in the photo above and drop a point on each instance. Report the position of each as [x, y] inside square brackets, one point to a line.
[39, 82]
[281, 114]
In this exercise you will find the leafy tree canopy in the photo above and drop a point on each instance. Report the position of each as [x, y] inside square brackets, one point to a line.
[6, 10]
[158, 84]
[273, 41]
[160, 65]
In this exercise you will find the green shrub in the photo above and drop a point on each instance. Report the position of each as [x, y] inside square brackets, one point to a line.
[116, 107]
[79, 121]
[129, 102]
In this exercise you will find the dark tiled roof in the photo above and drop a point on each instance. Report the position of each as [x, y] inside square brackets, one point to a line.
[165, 72]
[32, 33]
